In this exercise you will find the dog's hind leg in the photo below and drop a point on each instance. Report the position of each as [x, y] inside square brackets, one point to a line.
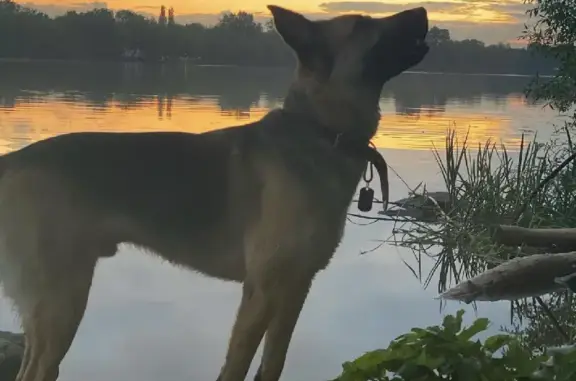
[46, 265]
[51, 322]
[286, 307]
[50, 290]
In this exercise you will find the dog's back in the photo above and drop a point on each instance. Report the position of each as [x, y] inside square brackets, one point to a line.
[145, 175]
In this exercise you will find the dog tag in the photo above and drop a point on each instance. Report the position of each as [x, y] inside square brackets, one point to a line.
[365, 199]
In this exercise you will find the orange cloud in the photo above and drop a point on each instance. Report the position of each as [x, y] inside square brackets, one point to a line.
[468, 11]
[487, 20]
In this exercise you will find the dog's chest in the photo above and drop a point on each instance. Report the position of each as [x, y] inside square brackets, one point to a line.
[310, 193]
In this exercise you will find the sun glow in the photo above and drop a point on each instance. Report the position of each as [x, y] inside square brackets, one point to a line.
[478, 12]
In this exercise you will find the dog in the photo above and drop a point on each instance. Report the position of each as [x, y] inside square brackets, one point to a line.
[263, 204]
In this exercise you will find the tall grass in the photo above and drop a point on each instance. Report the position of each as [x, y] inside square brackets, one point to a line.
[488, 185]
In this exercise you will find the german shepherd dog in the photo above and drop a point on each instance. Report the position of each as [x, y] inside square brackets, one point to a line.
[263, 204]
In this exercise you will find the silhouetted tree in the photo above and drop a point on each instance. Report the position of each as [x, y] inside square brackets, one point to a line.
[437, 36]
[171, 16]
[162, 17]
[237, 39]
[239, 23]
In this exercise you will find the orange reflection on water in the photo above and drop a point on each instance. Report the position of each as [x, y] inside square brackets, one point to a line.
[28, 122]
[32, 119]
[426, 130]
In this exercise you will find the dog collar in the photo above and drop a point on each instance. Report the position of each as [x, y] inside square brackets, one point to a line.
[358, 148]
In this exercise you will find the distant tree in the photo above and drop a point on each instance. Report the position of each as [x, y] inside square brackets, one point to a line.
[269, 25]
[437, 36]
[473, 43]
[133, 29]
[9, 7]
[237, 39]
[241, 22]
[162, 17]
[171, 16]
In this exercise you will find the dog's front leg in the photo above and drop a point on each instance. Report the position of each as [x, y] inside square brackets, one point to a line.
[287, 305]
[251, 322]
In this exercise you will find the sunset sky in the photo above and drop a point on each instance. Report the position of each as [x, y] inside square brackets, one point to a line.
[489, 20]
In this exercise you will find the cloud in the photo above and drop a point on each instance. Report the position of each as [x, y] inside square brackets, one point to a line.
[381, 7]
[147, 8]
[489, 33]
[53, 10]
[491, 21]
[507, 16]
[479, 10]
[207, 18]
[517, 10]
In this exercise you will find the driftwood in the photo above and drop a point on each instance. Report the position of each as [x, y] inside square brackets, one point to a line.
[526, 276]
[518, 278]
[557, 239]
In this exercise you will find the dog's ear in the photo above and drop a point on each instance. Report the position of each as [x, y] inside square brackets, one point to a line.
[295, 29]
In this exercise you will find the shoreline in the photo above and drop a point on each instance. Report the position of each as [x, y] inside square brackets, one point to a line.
[190, 63]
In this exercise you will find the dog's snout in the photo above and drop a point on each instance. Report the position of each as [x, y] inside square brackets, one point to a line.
[413, 22]
[421, 12]
[419, 18]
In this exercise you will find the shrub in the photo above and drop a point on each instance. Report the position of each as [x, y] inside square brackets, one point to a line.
[450, 352]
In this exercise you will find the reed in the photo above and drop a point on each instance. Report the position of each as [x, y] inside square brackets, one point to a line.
[486, 186]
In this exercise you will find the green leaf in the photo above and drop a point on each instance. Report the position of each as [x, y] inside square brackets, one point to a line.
[497, 342]
[478, 326]
[453, 324]
[412, 371]
[371, 360]
[467, 370]
[432, 362]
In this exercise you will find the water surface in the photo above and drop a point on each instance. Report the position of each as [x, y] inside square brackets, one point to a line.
[147, 320]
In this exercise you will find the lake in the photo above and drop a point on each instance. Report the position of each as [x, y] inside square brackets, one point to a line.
[147, 320]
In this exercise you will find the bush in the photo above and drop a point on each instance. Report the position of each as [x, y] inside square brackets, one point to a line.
[450, 352]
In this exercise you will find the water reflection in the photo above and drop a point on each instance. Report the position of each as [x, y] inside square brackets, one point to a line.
[147, 320]
[416, 108]
[235, 88]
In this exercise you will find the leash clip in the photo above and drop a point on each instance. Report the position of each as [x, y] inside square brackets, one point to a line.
[366, 196]
[368, 173]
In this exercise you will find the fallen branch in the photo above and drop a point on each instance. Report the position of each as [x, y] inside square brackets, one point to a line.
[558, 239]
[518, 278]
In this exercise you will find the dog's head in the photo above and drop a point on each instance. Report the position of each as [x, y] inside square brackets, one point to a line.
[352, 56]
[353, 47]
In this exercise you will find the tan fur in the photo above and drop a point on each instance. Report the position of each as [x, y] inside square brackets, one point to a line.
[263, 204]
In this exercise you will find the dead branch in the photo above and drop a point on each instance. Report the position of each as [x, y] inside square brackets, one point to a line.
[558, 239]
[518, 278]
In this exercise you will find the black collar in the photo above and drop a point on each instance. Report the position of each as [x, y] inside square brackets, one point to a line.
[360, 148]
[346, 142]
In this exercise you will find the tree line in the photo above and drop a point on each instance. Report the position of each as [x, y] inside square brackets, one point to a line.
[233, 88]
[237, 39]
